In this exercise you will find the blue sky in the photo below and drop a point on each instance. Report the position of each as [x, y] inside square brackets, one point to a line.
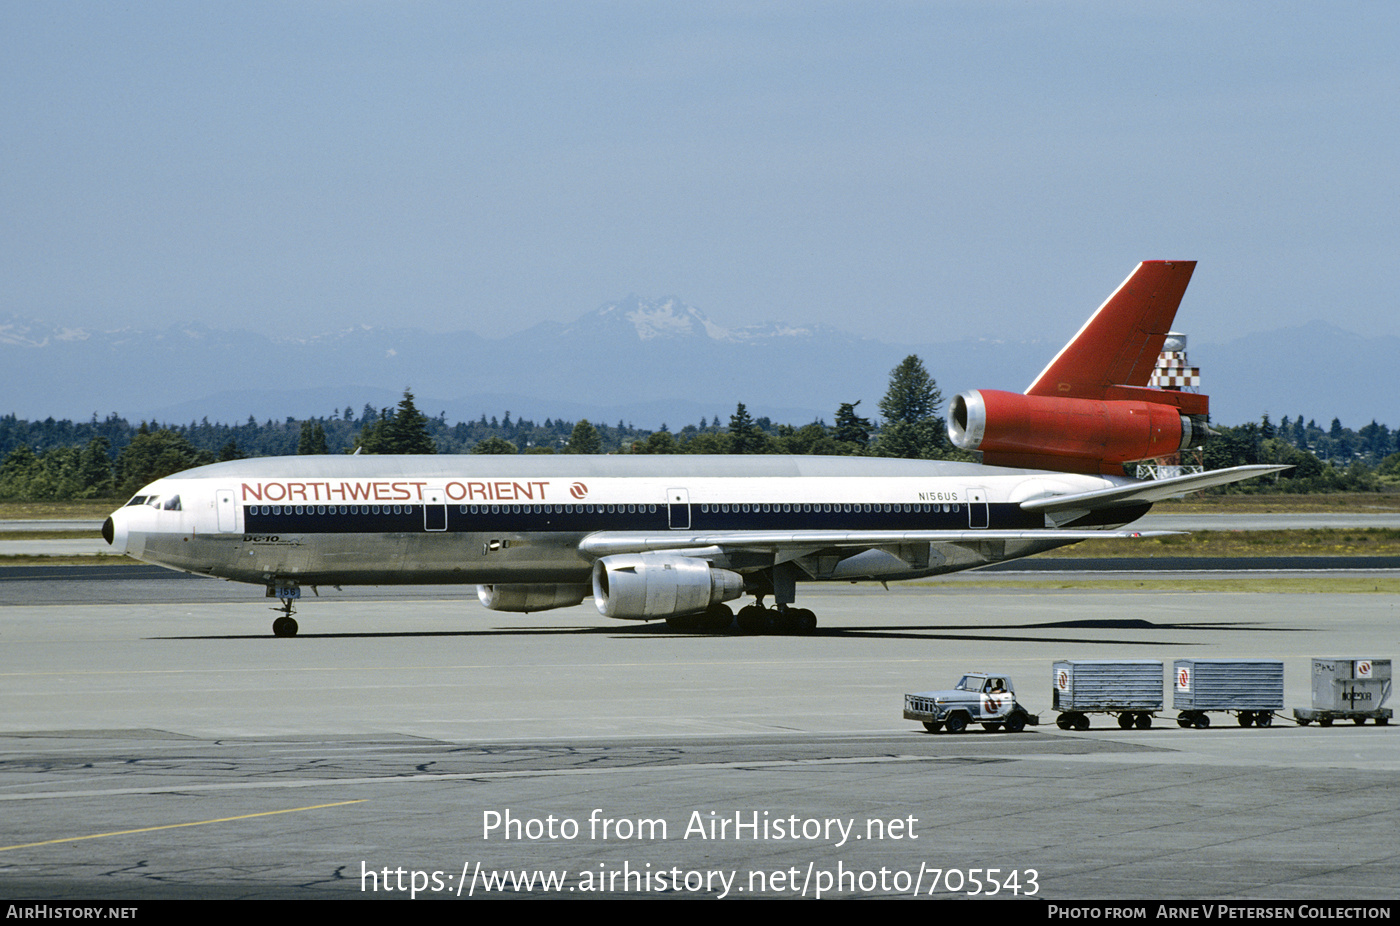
[921, 170]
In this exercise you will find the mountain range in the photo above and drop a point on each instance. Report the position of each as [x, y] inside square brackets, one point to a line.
[646, 362]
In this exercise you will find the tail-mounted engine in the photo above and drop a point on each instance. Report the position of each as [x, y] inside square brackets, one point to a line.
[645, 586]
[1074, 435]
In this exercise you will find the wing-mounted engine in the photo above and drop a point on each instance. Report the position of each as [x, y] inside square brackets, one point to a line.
[1073, 434]
[527, 598]
[645, 586]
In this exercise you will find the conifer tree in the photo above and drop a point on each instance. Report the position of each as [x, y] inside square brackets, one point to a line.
[912, 428]
[584, 439]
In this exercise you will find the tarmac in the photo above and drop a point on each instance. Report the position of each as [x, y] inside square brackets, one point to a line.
[157, 742]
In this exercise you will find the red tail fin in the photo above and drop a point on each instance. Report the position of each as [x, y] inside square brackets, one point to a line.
[1119, 344]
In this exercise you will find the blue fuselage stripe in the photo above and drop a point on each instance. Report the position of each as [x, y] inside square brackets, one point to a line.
[379, 519]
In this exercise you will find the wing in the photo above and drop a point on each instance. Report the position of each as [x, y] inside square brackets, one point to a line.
[784, 546]
[792, 544]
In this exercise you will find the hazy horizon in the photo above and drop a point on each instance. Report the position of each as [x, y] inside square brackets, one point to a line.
[905, 170]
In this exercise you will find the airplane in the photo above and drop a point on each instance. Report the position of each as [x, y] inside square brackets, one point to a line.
[676, 537]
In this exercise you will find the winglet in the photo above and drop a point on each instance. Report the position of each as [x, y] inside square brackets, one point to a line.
[1119, 344]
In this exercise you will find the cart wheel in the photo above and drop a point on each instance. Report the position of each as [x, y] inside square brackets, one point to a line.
[1382, 721]
[1202, 721]
[933, 726]
[1183, 721]
[1359, 721]
[1264, 719]
[1304, 721]
[1064, 722]
[1144, 721]
[1246, 718]
[1081, 722]
[1324, 721]
[1125, 720]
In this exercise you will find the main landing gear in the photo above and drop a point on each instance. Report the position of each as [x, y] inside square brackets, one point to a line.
[782, 617]
[754, 619]
[757, 619]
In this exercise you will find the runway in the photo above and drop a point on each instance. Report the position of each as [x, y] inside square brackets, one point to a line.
[157, 744]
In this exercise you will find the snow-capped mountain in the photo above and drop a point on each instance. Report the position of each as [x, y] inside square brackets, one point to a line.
[645, 361]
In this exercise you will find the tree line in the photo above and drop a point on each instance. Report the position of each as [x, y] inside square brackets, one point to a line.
[112, 459]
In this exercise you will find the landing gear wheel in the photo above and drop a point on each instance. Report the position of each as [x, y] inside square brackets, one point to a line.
[933, 726]
[284, 627]
[1143, 721]
[803, 621]
[717, 618]
[956, 723]
[753, 619]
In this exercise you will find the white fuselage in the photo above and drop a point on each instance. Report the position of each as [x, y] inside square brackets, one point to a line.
[344, 520]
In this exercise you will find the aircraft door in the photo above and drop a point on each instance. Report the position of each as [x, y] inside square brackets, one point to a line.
[978, 516]
[678, 509]
[434, 510]
[227, 511]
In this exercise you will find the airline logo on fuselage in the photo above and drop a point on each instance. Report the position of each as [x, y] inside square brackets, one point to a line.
[498, 490]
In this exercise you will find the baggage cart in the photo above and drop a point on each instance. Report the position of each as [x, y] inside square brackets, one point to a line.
[1130, 688]
[1347, 688]
[1251, 689]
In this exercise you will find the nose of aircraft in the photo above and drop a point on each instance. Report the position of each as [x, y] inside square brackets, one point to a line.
[114, 531]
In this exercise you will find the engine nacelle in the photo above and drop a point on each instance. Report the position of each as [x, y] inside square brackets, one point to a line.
[644, 586]
[1066, 434]
[527, 598]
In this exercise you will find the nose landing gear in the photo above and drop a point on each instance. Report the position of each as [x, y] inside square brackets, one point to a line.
[286, 625]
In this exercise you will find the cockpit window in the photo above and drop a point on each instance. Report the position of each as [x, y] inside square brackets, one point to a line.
[172, 503]
[138, 500]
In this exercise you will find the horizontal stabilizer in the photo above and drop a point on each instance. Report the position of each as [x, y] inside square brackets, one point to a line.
[1153, 490]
